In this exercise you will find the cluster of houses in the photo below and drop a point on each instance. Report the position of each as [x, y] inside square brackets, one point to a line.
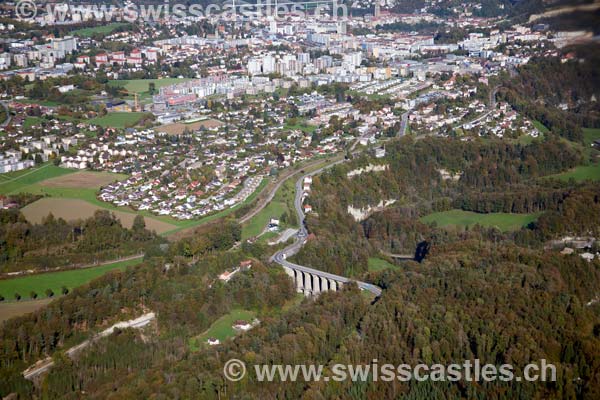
[35, 150]
[503, 121]
[306, 184]
[137, 57]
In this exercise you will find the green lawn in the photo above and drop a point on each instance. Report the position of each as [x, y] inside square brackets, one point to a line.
[590, 134]
[377, 264]
[540, 127]
[142, 85]
[302, 126]
[20, 179]
[221, 329]
[31, 121]
[56, 280]
[581, 173]
[102, 29]
[117, 119]
[282, 201]
[503, 221]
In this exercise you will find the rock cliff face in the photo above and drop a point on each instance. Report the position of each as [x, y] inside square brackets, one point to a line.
[368, 168]
[360, 214]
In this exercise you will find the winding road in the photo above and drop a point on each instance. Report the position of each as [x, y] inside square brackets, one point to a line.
[300, 239]
[5, 123]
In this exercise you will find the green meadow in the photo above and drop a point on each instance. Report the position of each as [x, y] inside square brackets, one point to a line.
[117, 119]
[102, 29]
[378, 264]
[503, 221]
[39, 283]
[222, 328]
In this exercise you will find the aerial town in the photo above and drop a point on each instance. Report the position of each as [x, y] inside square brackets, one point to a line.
[233, 106]
[197, 198]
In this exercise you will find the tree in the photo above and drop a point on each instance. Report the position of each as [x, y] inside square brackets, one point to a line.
[17, 296]
[33, 294]
[64, 290]
[139, 224]
[49, 293]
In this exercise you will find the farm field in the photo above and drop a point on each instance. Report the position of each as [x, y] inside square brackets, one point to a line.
[20, 179]
[83, 179]
[33, 181]
[178, 128]
[39, 283]
[222, 328]
[14, 309]
[503, 221]
[117, 119]
[103, 30]
[71, 209]
[378, 264]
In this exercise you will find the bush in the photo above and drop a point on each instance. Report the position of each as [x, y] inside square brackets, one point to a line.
[33, 295]
[64, 290]
[49, 293]
[17, 296]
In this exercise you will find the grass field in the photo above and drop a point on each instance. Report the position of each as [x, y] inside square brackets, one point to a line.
[581, 173]
[103, 30]
[590, 134]
[31, 121]
[377, 264]
[503, 221]
[19, 180]
[221, 329]
[117, 119]
[540, 127]
[302, 126]
[282, 201]
[56, 280]
[142, 85]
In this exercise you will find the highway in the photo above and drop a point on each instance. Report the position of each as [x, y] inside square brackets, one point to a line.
[300, 239]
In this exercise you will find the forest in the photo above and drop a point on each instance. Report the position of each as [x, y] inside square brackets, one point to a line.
[58, 243]
[479, 293]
